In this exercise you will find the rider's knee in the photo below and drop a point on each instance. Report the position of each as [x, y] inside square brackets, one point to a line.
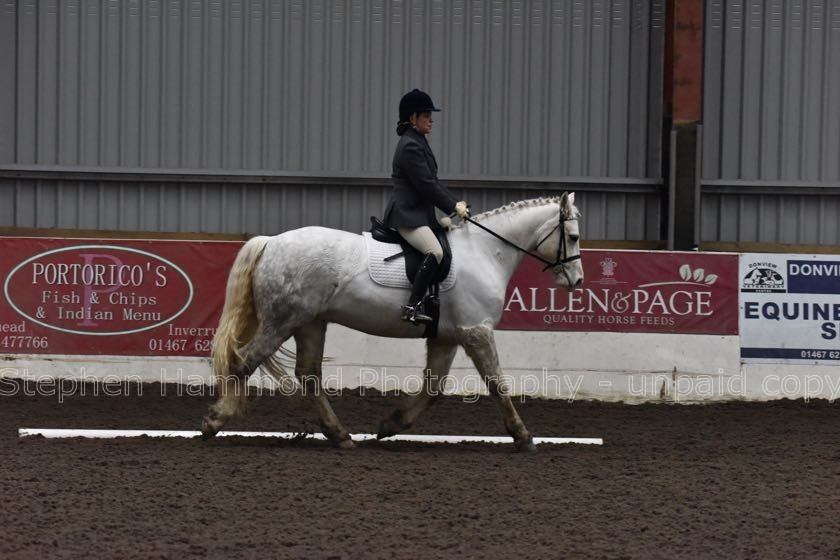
[437, 252]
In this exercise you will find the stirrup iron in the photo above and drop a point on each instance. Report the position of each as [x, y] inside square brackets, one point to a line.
[415, 314]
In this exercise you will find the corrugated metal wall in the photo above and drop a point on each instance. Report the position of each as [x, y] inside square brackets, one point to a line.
[530, 88]
[8, 69]
[271, 204]
[771, 120]
[787, 216]
[555, 91]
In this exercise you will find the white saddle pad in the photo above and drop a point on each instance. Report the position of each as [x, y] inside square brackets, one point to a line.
[392, 273]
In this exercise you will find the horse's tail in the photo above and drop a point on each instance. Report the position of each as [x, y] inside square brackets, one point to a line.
[237, 323]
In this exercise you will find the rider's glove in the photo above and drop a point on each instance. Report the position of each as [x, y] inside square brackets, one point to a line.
[462, 210]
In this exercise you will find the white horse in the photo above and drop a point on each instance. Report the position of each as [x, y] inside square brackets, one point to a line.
[295, 283]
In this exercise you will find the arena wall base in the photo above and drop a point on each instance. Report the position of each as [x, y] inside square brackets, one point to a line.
[604, 366]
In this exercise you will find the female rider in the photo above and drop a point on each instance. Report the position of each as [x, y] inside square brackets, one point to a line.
[416, 193]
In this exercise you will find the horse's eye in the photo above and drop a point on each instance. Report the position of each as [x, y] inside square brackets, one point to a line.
[574, 238]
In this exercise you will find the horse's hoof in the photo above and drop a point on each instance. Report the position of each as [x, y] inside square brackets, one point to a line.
[388, 428]
[345, 444]
[527, 446]
[208, 430]
[208, 434]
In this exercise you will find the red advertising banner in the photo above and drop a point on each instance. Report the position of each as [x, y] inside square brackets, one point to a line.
[630, 291]
[112, 297]
[164, 298]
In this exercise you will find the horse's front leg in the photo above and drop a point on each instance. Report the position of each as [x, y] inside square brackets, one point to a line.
[309, 342]
[439, 356]
[480, 346]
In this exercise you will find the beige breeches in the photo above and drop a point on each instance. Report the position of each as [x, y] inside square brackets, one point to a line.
[423, 239]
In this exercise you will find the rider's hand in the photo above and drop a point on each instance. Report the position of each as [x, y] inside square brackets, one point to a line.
[462, 210]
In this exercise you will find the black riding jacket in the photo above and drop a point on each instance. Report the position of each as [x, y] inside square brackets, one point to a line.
[416, 189]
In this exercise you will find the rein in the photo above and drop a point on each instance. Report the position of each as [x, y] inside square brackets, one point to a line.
[561, 247]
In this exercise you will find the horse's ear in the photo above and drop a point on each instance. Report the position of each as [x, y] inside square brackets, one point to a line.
[567, 200]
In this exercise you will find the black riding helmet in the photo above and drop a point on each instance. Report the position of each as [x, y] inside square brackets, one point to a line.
[415, 101]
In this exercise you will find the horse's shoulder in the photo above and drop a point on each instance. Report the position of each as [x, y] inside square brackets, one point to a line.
[458, 234]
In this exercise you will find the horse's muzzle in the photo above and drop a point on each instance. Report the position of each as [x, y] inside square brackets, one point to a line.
[569, 278]
[573, 285]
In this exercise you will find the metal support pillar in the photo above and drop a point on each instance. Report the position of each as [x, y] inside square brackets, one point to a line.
[683, 114]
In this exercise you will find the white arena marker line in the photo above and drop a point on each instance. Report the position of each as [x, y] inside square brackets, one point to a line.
[71, 433]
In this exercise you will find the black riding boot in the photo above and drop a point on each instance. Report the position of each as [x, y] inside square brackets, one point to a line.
[414, 311]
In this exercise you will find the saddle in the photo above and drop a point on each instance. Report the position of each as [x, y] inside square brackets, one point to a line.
[413, 259]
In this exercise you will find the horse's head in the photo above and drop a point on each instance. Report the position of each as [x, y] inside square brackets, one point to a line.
[559, 243]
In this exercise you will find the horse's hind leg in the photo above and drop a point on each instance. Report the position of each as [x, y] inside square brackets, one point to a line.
[309, 341]
[439, 356]
[481, 348]
[232, 387]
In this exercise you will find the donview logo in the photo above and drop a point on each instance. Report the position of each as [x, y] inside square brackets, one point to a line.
[98, 290]
[763, 277]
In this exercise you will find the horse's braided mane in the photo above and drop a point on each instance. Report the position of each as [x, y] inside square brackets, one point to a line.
[515, 206]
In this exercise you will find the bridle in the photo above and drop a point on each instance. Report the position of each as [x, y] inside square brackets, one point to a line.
[562, 250]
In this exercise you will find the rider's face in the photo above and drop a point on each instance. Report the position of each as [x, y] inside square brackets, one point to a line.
[422, 122]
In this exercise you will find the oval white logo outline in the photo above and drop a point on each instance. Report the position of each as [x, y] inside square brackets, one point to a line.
[118, 248]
